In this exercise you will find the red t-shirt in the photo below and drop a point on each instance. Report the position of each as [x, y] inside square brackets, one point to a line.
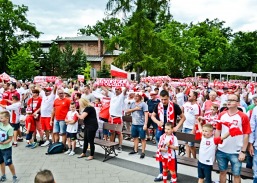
[14, 92]
[30, 120]
[36, 103]
[4, 97]
[61, 107]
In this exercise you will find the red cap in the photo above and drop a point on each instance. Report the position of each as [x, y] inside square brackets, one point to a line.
[48, 89]
[118, 88]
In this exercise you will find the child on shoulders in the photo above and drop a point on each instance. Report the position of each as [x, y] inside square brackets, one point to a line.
[166, 153]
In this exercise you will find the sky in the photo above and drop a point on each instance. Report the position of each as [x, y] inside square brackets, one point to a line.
[64, 17]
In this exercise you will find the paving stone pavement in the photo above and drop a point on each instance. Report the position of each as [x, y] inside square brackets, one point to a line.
[69, 169]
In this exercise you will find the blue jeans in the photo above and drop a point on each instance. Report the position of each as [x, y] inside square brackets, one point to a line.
[255, 166]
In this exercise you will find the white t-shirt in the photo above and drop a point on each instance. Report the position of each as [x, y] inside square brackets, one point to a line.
[116, 105]
[14, 110]
[190, 112]
[207, 151]
[47, 104]
[175, 143]
[72, 128]
[180, 99]
[233, 145]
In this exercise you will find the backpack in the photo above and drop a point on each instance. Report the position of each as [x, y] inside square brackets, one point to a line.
[55, 148]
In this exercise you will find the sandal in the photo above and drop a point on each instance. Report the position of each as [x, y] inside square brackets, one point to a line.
[154, 142]
[82, 156]
[90, 158]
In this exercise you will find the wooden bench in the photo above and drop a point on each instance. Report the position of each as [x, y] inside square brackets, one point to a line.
[126, 119]
[109, 147]
[183, 138]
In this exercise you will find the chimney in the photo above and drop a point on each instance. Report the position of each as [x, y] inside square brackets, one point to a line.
[99, 47]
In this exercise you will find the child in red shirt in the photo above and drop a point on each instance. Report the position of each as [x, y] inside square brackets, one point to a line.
[30, 128]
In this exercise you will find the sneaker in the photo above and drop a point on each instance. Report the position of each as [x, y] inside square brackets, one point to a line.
[158, 178]
[119, 149]
[72, 153]
[46, 143]
[28, 145]
[68, 152]
[15, 179]
[34, 145]
[133, 152]
[14, 144]
[41, 142]
[20, 139]
[142, 156]
[3, 178]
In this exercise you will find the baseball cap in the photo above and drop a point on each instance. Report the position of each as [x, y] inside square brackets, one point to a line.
[118, 88]
[48, 89]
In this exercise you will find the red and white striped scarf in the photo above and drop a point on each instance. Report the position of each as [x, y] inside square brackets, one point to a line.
[162, 144]
[170, 112]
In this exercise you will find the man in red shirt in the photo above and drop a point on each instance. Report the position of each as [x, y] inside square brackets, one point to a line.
[13, 91]
[60, 110]
[35, 103]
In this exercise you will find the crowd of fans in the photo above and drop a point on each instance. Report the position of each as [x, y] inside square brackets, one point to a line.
[219, 116]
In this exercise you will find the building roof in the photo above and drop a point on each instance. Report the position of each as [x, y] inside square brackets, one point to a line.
[78, 38]
[45, 42]
[94, 58]
[113, 53]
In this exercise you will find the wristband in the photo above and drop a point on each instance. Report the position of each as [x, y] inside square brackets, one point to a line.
[243, 152]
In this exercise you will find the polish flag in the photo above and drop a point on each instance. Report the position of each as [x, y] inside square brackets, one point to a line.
[119, 73]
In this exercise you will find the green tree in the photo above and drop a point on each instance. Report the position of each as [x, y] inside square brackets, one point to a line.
[106, 28]
[213, 40]
[20, 60]
[104, 72]
[52, 61]
[69, 60]
[86, 71]
[243, 52]
[14, 28]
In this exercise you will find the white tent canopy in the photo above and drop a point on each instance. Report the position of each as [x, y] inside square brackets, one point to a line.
[245, 74]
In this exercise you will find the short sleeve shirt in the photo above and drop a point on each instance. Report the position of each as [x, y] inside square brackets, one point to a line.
[138, 117]
[8, 131]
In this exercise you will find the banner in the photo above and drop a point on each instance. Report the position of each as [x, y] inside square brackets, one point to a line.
[112, 82]
[81, 78]
[155, 78]
[42, 79]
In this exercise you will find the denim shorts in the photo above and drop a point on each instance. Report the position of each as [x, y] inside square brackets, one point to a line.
[6, 156]
[59, 127]
[138, 131]
[187, 130]
[223, 159]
